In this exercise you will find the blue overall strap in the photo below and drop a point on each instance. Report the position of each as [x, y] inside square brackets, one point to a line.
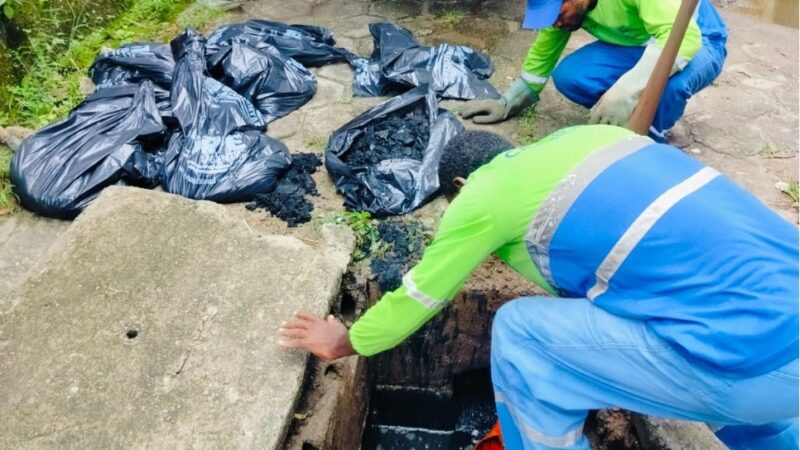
[659, 237]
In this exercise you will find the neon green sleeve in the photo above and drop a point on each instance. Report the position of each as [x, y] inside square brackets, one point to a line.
[658, 17]
[543, 56]
[468, 233]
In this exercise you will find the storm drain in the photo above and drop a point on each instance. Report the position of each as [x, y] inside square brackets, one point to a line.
[452, 417]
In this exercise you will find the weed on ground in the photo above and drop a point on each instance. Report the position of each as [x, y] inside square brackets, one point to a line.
[8, 201]
[526, 127]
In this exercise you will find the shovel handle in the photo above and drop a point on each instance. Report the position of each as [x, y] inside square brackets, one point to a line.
[645, 111]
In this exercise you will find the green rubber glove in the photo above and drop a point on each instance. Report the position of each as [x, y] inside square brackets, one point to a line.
[518, 97]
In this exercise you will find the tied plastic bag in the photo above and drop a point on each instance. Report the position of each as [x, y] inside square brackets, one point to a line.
[276, 84]
[399, 62]
[310, 45]
[219, 152]
[60, 169]
[412, 131]
[134, 63]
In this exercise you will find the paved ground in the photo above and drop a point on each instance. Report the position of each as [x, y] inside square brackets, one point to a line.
[152, 324]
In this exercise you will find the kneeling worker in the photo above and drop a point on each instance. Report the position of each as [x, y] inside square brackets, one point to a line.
[609, 74]
[679, 289]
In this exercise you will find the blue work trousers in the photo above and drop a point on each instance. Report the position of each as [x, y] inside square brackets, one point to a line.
[554, 359]
[586, 74]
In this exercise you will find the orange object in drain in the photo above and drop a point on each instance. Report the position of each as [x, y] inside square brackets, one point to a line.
[493, 439]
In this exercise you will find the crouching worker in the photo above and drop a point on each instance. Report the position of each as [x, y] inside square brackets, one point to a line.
[675, 290]
[609, 74]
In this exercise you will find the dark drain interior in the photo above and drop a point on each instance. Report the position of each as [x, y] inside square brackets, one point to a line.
[453, 417]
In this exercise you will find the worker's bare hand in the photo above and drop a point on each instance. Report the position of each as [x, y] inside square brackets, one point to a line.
[325, 338]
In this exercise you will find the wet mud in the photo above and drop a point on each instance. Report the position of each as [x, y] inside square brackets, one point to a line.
[289, 201]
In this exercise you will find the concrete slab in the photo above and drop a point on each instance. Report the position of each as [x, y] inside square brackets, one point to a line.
[153, 323]
[24, 236]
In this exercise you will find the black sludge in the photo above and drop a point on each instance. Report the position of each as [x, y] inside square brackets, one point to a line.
[288, 201]
[398, 136]
[386, 161]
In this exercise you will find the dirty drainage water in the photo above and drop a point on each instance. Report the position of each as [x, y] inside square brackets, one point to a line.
[449, 418]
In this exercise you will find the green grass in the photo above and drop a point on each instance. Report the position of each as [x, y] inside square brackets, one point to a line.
[792, 190]
[315, 142]
[451, 19]
[526, 127]
[8, 201]
[365, 228]
[53, 64]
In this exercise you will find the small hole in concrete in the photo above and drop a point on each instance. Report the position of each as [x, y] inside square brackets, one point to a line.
[131, 334]
[309, 446]
[331, 371]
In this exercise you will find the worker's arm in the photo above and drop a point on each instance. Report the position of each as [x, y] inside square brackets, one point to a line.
[616, 105]
[543, 56]
[658, 19]
[468, 233]
[524, 92]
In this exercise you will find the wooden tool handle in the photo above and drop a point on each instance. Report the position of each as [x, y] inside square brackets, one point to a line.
[645, 111]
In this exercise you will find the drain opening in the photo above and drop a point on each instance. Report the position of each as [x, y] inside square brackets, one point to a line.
[448, 418]
[132, 334]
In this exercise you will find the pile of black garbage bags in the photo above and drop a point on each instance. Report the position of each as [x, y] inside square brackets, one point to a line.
[191, 116]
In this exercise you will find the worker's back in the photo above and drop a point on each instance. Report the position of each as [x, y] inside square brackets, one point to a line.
[649, 233]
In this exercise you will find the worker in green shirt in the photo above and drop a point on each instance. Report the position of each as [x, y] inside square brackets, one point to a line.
[678, 289]
[609, 74]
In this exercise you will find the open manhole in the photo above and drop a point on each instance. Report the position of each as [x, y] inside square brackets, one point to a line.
[449, 418]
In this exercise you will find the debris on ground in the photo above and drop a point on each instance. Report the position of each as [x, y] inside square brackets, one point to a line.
[398, 136]
[215, 97]
[399, 62]
[407, 180]
[612, 429]
[289, 200]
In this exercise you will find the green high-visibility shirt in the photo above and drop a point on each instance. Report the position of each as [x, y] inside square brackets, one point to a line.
[629, 23]
[491, 214]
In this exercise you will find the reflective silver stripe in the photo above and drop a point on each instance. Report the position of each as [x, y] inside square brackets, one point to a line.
[563, 441]
[419, 296]
[639, 228]
[553, 209]
[531, 78]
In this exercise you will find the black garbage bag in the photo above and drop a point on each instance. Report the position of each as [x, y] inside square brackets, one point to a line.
[60, 169]
[386, 160]
[398, 61]
[219, 152]
[274, 83]
[310, 45]
[134, 63]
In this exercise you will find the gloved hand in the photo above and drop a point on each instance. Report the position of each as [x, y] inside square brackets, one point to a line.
[518, 97]
[617, 104]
